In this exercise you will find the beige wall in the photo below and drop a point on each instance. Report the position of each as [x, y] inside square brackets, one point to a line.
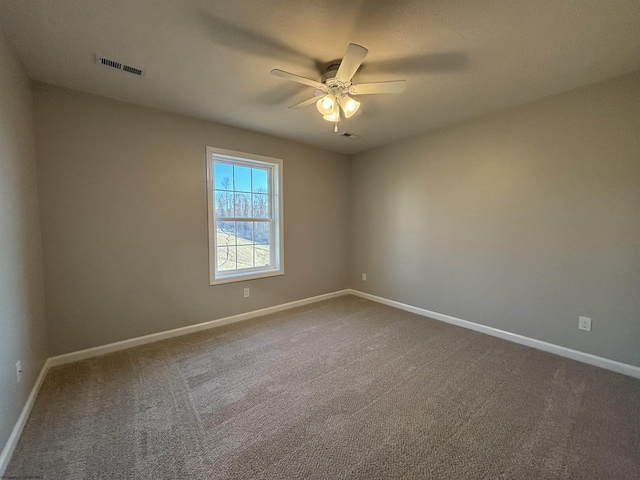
[124, 219]
[522, 220]
[22, 329]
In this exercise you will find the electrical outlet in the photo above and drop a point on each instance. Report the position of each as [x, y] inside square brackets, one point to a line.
[19, 371]
[584, 323]
[364, 277]
[247, 293]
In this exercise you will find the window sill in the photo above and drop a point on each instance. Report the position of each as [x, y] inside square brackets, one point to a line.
[241, 277]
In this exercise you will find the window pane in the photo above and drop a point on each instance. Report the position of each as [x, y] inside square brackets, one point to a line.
[225, 234]
[244, 232]
[223, 175]
[260, 180]
[226, 258]
[242, 179]
[243, 205]
[245, 256]
[223, 202]
[261, 233]
[262, 255]
[260, 205]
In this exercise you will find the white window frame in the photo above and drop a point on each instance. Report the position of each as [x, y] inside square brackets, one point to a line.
[274, 165]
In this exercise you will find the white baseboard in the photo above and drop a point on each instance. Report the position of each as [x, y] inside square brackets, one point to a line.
[601, 362]
[10, 446]
[155, 337]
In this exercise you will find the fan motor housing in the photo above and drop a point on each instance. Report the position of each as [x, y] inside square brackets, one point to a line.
[332, 69]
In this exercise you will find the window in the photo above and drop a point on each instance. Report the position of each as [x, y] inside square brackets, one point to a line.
[245, 216]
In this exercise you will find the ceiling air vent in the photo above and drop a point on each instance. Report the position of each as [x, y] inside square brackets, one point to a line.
[107, 62]
[134, 70]
[110, 63]
[352, 136]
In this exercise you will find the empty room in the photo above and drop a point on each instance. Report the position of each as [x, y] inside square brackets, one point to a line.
[320, 239]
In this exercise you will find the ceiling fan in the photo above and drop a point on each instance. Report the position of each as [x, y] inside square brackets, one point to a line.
[335, 86]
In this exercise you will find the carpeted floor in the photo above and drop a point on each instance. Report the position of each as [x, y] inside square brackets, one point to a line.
[345, 388]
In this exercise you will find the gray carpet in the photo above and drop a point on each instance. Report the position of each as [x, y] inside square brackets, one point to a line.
[345, 388]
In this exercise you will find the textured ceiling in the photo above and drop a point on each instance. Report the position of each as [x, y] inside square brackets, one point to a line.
[211, 59]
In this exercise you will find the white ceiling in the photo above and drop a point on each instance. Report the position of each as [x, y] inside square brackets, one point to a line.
[211, 59]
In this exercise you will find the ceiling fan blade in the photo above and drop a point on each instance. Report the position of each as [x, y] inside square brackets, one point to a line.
[352, 60]
[306, 103]
[297, 78]
[395, 86]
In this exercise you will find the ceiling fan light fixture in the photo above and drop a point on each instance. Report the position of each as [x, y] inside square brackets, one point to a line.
[334, 115]
[349, 105]
[326, 104]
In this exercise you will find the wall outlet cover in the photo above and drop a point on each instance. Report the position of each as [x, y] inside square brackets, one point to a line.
[584, 323]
